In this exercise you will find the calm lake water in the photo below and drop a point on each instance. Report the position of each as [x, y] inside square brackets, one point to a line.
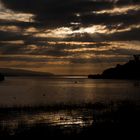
[35, 91]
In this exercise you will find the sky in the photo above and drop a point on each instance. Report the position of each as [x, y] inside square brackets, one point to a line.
[68, 36]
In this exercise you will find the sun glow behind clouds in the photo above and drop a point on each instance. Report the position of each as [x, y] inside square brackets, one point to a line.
[64, 32]
[71, 43]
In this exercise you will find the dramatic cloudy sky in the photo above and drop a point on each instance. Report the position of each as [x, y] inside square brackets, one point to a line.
[68, 36]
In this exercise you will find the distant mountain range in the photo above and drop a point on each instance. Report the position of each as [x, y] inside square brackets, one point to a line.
[21, 72]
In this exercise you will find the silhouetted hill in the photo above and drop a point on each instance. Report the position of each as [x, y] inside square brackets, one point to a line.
[130, 70]
[20, 72]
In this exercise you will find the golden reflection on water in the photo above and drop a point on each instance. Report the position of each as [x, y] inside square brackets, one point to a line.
[62, 119]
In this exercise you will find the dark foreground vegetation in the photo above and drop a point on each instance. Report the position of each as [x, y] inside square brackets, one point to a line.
[114, 119]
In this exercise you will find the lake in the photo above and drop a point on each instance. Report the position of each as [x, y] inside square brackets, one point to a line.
[34, 91]
[68, 104]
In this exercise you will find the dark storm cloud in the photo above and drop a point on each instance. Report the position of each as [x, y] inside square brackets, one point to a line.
[20, 24]
[130, 35]
[56, 13]
[60, 6]
[127, 2]
[11, 36]
[55, 6]
[11, 49]
[125, 19]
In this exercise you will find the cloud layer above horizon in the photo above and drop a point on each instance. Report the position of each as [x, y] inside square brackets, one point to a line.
[41, 34]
